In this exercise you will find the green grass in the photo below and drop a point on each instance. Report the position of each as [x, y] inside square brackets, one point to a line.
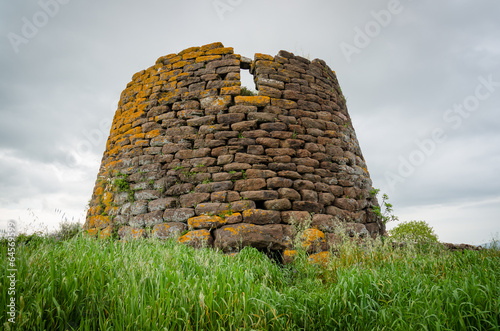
[86, 284]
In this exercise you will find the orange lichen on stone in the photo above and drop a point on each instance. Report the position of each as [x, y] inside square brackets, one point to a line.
[259, 101]
[211, 46]
[137, 136]
[312, 237]
[196, 238]
[220, 51]
[106, 233]
[152, 134]
[289, 255]
[321, 258]
[125, 128]
[207, 58]
[260, 56]
[205, 222]
[179, 64]
[133, 131]
[98, 221]
[233, 90]
[189, 50]
[235, 230]
[192, 55]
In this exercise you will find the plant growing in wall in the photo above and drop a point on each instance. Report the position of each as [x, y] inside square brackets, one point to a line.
[384, 212]
[245, 91]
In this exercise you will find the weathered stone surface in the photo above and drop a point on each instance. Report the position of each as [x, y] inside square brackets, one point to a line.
[192, 199]
[235, 237]
[205, 222]
[239, 206]
[288, 193]
[325, 223]
[139, 207]
[296, 217]
[259, 216]
[321, 258]
[211, 208]
[346, 204]
[162, 204]
[184, 142]
[333, 241]
[153, 218]
[178, 215]
[278, 204]
[356, 230]
[168, 230]
[311, 207]
[130, 233]
[279, 182]
[253, 184]
[262, 195]
[313, 241]
[197, 239]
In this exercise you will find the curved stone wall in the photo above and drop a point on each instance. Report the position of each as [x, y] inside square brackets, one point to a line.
[188, 156]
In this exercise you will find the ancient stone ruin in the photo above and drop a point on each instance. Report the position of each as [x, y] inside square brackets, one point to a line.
[190, 157]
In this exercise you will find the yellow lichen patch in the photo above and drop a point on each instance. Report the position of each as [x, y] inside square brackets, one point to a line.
[133, 131]
[141, 143]
[106, 233]
[99, 190]
[175, 59]
[192, 236]
[99, 221]
[138, 74]
[260, 56]
[289, 255]
[170, 85]
[220, 51]
[189, 50]
[205, 221]
[312, 237]
[137, 136]
[235, 230]
[153, 134]
[211, 46]
[125, 128]
[259, 101]
[208, 58]
[192, 55]
[233, 90]
[180, 76]
[321, 258]
[179, 64]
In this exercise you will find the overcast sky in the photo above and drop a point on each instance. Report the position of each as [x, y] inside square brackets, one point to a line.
[421, 79]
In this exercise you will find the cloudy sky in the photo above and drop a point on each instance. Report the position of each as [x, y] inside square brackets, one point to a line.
[421, 79]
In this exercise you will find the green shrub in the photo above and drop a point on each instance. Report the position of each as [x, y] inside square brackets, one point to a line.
[414, 231]
[245, 91]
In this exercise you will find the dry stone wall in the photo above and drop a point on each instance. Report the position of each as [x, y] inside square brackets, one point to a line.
[189, 157]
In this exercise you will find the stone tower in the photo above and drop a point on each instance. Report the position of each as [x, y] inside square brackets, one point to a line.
[189, 156]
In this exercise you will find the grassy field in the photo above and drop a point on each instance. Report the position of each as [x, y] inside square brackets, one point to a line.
[85, 284]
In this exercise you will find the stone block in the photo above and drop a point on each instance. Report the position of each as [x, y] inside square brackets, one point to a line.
[168, 230]
[234, 237]
[205, 222]
[259, 216]
[178, 215]
[278, 204]
[197, 239]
